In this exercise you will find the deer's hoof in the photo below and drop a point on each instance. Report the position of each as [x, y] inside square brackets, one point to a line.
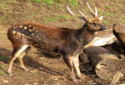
[25, 69]
[10, 73]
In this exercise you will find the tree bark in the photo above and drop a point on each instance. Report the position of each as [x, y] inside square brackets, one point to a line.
[119, 32]
[105, 63]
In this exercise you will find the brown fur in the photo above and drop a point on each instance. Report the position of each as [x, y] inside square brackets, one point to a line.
[66, 42]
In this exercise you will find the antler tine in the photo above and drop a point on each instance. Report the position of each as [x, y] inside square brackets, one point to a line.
[83, 14]
[91, 11]
[74, 14]
[96, 12]
[70, 11]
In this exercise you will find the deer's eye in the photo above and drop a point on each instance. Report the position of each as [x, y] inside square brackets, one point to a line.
[94, 24]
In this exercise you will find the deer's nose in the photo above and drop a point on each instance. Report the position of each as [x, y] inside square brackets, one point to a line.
[103, 28]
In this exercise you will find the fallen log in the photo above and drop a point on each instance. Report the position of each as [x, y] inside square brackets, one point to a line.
[117, 47]
[101, 39]
[116, 78]
[119, 32]
[105, 63]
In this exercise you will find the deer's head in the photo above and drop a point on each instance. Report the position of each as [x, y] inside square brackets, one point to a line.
[94, 23]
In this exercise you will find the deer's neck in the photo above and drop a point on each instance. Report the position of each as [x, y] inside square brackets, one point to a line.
[84, 36]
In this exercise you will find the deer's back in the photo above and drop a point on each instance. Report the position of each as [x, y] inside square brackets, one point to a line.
[44, 37]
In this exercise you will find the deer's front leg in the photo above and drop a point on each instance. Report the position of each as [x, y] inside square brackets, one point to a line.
[68, 61]
[75, 60]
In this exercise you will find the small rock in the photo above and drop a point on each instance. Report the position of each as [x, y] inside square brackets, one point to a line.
[122, 84]
[93, 83]
[5, 81]
[55, 79]
[26, 84]
[34, 71]
[35, 83]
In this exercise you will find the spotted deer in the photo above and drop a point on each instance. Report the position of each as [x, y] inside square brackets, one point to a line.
[68, 43]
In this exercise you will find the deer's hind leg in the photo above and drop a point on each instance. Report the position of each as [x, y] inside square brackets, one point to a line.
[20, 58]
[16, 53]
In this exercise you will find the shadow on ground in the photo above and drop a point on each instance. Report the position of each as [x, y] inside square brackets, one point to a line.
[28, 61]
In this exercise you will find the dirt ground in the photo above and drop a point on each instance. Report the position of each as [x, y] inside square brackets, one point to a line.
[47, 69]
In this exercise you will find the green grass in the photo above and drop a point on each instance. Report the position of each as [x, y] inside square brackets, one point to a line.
[4, 58]
[115, 14]
[89, 0]
[50, 19]
[105, 22]
[73, 2]
[5, 18]
[120, 0]
[1, 31]
[3, 67]
[65, 17]
[2, 72]
[108, 14]
[5, 5]
[109, 7]
[122, 20]
[50, 2]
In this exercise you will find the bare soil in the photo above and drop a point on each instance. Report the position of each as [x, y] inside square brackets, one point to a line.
[47, 69]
